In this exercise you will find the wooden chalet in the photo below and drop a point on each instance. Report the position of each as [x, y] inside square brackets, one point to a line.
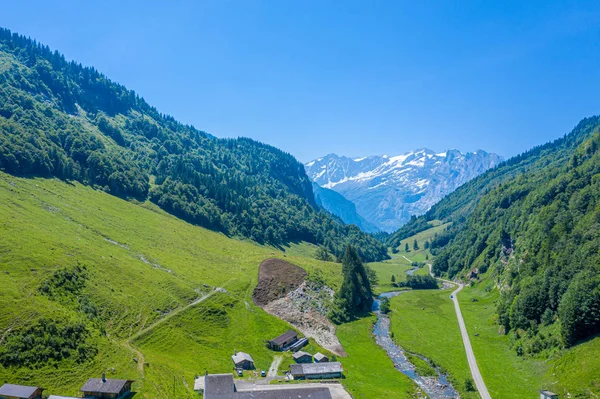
[283, 341]
[242, 360]
[106, 388]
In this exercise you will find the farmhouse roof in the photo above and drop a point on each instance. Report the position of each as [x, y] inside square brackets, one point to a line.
[241, 356]
[105, 385]
[548, 393]
[300, 354]
[20, 391]
[283, 338]
[217, 385]
[319, 356]
[316, 368]
[221, 386]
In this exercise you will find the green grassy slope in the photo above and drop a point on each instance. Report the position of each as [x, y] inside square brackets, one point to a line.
[424, 322]
[370, 372]
[505, 374]
[400, 262]
[396, 266]
[426, 235]
[576, 372]
[143, 266]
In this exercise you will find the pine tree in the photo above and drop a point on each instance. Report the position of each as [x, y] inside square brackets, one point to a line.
[355, 295]
[406, 249]
[415, 245]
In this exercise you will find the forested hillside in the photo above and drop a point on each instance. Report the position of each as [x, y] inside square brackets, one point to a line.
[532, 225]
[58, 118]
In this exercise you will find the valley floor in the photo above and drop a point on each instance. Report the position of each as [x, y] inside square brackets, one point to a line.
[423, 322]
[171, 300]
[159, 319]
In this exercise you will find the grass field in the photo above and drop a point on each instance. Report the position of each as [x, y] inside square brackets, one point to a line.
[505, 374]
[367, 361]
[401, 261]
[424, 322]
[576, 372]
[145, 266]
[397, 266]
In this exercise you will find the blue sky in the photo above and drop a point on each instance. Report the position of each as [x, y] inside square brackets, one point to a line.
[351, 77]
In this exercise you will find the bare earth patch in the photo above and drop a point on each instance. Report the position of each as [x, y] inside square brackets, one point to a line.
[276, 278]
[283, 292]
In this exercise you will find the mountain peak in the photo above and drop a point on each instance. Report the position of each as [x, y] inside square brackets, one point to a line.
[389, 189]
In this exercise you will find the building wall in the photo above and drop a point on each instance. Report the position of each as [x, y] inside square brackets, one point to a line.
[324, 376]
[98, 395]
[246, 365]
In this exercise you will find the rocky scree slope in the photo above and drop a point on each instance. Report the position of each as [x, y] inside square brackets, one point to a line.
[284, 292]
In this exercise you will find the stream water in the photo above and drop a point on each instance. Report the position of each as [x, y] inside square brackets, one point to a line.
[435, 387]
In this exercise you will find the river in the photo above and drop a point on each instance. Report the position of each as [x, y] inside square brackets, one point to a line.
[435, 387]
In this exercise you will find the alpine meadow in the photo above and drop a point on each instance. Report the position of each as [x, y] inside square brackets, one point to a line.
[324, 238]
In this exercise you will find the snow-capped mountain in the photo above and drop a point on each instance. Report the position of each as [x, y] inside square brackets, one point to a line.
[388, 190]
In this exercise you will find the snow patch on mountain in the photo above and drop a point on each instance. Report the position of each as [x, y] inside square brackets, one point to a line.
[388, 190]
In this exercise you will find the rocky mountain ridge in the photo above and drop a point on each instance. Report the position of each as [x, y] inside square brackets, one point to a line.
[388, 190]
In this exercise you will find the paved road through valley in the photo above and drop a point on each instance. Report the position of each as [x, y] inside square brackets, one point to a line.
[470, 355]
[483, 392]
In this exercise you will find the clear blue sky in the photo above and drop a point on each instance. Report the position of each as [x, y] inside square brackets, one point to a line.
[350, 77]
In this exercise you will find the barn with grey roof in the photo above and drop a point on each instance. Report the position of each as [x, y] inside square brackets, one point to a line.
[302, 357]
[320, 358]
[12, 391]
[317, 370]
[222, 386]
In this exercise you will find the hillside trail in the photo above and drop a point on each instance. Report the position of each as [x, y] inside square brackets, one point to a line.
[475, 373]
[173, 313]
[139, 355]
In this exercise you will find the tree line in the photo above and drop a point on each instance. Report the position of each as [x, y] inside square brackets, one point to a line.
[535, 231]
[60, 119]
